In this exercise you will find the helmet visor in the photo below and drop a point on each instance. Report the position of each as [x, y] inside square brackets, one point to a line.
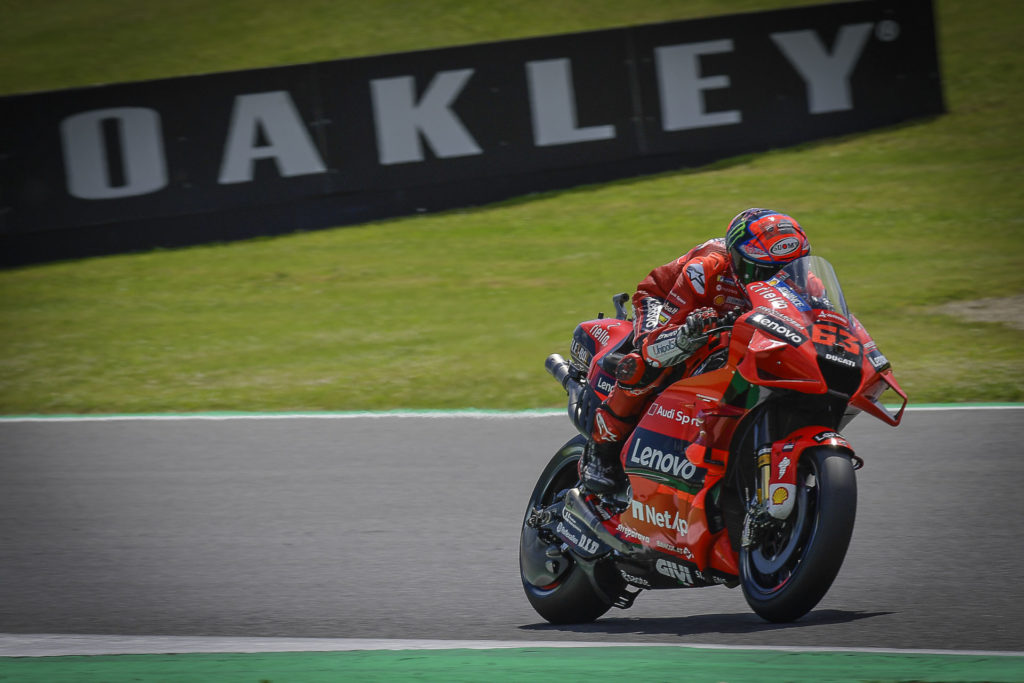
[748, 271]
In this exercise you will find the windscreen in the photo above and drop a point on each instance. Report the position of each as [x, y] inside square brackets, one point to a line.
[810, 283]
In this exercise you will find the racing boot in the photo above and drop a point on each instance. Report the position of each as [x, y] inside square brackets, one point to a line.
[601, 470]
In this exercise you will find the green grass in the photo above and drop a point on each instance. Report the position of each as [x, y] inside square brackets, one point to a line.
[460, 309]
[67, 43]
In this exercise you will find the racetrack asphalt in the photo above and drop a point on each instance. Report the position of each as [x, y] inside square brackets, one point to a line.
[407, 527]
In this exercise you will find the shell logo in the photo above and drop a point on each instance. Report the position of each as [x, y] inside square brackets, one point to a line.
[780, 496]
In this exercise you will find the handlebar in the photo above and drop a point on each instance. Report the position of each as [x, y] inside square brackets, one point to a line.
[619, 301]
[716, 330]
[725, 323]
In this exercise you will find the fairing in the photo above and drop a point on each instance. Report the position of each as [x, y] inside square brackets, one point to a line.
[797, 353]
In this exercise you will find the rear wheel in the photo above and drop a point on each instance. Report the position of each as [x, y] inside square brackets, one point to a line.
[555, 584]
[794, 562]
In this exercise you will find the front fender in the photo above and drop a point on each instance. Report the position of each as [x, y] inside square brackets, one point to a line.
[781, 494]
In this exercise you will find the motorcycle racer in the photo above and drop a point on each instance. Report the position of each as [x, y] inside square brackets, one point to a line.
[673, 307]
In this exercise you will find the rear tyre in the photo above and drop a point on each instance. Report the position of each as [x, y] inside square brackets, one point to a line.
[565, 595]
[795, 562]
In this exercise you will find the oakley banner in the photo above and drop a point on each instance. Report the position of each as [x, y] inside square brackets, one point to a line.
[233, 155]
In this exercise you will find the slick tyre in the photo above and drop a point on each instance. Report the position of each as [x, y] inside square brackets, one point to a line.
[561, 593]
[793, 563]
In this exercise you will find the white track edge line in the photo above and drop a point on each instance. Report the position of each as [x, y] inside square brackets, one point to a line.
[53, 645]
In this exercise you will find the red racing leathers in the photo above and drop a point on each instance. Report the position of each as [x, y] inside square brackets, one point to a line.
[700, 279]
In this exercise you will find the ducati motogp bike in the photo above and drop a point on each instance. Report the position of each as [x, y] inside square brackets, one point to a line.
[739, 473]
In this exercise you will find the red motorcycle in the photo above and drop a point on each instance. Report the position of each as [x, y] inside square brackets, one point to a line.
[738, 471]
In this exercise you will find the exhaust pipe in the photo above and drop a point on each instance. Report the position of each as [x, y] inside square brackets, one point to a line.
[582, 511]
[558, 368]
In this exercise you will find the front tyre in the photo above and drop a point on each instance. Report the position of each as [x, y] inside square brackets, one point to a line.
[793, 562]
[562, 594]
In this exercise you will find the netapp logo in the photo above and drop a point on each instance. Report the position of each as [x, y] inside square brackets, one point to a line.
[120, 152]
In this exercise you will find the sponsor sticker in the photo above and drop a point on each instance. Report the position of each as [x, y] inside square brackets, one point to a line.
[581, 541]
[783, 466]
[841, 360]
[829, 316]
[778, 329]
[679, 572]
[651, 309]
[674, 548]
[630, 532]
[781, 316]
[774, 295]
[680, 416]
[635, 580]
[695, 272]
[581, 354]
[781, 500]
[794, 298]
[663, 352]
[753, 251]
[664, 520]
[832, 436]
[653, 460]
[785, 246]
[878, 361]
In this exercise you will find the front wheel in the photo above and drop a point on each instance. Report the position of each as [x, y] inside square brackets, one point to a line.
[555, 584]
[793, 562]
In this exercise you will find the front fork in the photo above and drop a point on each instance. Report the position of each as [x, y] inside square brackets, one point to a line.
[776, 480]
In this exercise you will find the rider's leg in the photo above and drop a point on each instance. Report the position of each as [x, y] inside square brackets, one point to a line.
[601, 468]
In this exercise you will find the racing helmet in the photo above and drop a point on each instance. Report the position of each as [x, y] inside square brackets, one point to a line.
[761, 241]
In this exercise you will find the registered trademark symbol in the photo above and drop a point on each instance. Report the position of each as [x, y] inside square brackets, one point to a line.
[887, 30]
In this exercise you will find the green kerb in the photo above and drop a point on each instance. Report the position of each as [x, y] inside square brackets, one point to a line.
[607, 663]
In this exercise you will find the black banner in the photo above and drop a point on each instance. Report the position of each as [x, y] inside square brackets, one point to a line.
[225, 156]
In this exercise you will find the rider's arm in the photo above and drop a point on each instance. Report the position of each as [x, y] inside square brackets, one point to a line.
[689, 295]
[650, 297]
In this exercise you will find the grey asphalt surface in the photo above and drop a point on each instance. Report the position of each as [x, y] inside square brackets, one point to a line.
[407, 527]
